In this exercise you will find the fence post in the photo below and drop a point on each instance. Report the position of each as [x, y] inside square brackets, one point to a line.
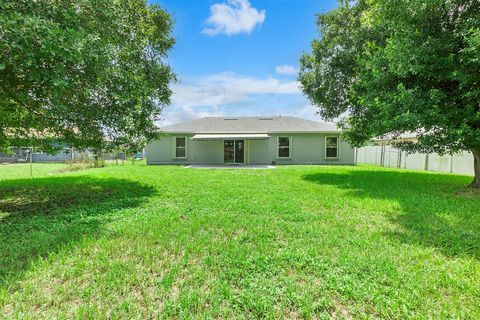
[426, 161]
[382, 156]
[399, 162]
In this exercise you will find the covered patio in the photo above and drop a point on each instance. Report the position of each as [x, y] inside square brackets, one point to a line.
[236, 146]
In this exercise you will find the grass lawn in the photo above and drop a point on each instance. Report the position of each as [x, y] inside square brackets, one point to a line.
[139, 242]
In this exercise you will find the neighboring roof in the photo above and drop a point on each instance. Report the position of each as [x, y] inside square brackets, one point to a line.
[250, 125]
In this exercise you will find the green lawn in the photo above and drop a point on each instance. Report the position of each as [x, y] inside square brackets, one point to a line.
[138, 242]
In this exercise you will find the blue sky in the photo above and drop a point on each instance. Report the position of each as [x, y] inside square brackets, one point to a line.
[240, 57]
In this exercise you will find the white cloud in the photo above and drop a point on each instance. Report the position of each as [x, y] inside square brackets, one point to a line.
[177, 114]
[228, 88]
[233, 17]
[286, 70]
[203, 96]
[308, 112]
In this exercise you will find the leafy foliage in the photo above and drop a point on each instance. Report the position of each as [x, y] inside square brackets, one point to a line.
[83, 71]
[394, 67]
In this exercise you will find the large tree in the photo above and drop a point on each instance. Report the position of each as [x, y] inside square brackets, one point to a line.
[392, 67]
[86, 72]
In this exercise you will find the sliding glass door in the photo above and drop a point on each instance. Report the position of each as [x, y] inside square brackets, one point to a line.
[239, 151]
[233, 151]
[229, 151]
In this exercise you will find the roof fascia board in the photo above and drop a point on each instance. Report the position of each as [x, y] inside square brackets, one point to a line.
[246, 132]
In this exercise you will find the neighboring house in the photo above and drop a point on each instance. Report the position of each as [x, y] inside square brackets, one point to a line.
[250, 140]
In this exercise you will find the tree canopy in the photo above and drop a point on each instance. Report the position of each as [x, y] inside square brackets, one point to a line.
[394, 67]
[86, 72]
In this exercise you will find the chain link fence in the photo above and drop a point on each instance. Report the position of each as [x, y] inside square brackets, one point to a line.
[22, 155]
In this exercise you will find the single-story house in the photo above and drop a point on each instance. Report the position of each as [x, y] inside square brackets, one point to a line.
[250, 140]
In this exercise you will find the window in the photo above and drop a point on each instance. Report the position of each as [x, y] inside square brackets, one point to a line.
[284, 147]
[331, 147]
[180, 147]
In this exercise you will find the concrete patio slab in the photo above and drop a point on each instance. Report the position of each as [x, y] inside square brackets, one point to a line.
[229, 166]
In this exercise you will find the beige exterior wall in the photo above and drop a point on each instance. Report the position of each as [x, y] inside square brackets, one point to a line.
[306, 148]
[162, 151]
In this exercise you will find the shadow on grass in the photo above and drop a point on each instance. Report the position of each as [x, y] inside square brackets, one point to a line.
[41, 216]
[436, 210]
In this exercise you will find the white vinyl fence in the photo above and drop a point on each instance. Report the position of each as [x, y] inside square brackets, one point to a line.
[390, 157]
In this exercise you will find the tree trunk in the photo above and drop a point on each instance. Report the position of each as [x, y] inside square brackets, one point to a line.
[476, 166]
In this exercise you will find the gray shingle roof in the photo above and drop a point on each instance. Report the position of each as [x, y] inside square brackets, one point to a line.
[250, 125]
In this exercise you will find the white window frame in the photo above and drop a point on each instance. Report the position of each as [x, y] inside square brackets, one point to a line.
[289, 147]
[175, 147]
[338, 147]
